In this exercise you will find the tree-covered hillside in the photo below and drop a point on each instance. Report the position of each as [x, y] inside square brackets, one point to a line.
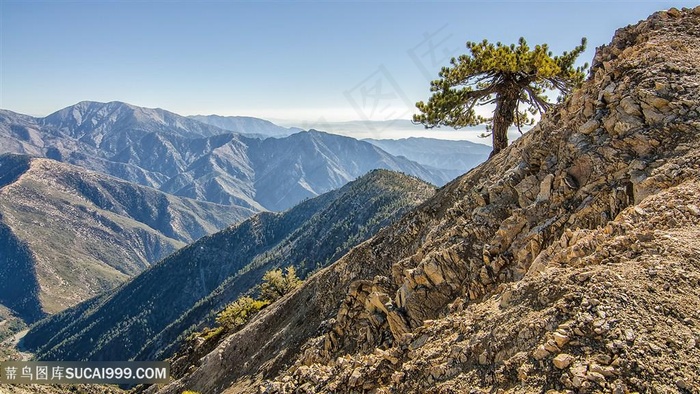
[145, 317]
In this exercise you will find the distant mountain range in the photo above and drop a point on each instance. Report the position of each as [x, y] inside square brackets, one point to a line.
[452, 157]
[69, 233]
[144, 318]
[127, 186]
[247, 125]
[188, 158]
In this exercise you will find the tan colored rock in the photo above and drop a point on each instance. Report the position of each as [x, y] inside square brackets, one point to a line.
[630, 107]
[625, 124]
[355, 378]
[397, 324]
[380, 301]
[506, 296]
[652, 116]
[606, 371]
[527, 190]
[397, 377]
[595, 377]
[603, 359]
[577, 381]
[609, 123]
[563, 360]
[551, 346]
[658, 102]
[560, 339]
[507, 231]
[578, 375]
[589, 127]
[608, 93]
[545, 188]
[540, 353]
[433, 272]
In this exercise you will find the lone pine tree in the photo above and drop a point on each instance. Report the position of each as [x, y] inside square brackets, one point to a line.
[506, 76]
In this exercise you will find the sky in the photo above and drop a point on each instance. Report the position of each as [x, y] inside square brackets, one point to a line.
[296, 63]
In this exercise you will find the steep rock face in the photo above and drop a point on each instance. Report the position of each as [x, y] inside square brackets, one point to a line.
[533, 271]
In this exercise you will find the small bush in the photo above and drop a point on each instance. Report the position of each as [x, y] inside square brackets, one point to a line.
[236, 314]
[239, 312]
[276, 284]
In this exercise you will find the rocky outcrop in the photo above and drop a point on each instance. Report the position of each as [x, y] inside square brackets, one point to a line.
[570, 261]
[614, 311]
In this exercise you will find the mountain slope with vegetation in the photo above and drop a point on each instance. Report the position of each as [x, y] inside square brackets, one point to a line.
[148, 315]
[568, 262]
[70, 234]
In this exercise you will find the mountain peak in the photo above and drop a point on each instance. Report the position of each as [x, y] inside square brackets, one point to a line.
[189, 158]
[86, 107]
[93, 113]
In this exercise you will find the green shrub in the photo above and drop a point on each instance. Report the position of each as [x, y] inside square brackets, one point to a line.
[276, 284]
[239, 312]
[236, 314]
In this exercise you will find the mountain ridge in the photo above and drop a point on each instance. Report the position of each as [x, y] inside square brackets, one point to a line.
[453, 157]
[218, 268]
[185, 157]
[248, 125]
[69, 219]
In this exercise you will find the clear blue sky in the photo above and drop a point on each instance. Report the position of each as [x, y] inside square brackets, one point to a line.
[300, 61]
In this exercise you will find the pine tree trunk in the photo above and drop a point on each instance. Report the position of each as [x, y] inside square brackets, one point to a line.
[503, 117]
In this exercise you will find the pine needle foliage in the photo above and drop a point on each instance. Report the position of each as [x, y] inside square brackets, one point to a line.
[515, 78]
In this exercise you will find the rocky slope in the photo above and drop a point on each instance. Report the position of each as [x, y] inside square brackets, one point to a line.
[60, 389]
[146, 318]
[569, 262]
[184, 157]
[69, 234]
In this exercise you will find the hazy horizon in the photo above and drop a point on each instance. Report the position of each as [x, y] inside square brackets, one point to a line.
[307, 62]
